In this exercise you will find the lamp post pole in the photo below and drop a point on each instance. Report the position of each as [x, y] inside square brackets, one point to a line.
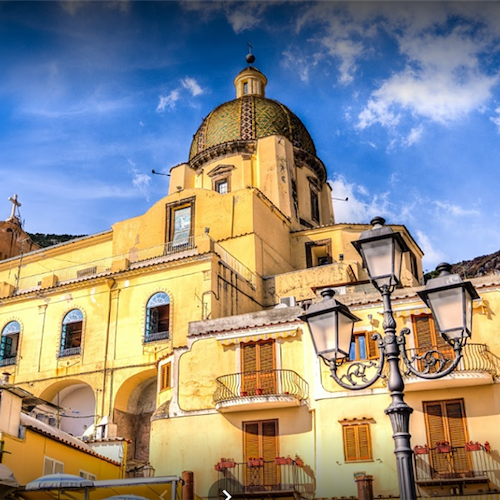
[399, 412]
[332, 324]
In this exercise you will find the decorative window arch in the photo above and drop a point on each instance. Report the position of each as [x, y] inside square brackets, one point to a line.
[71, 333]
[9, 343]
[157, 317]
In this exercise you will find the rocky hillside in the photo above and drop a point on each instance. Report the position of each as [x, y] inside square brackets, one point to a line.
[480, 266]
[47, 240]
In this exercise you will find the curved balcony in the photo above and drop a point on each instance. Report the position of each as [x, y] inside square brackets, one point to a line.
[260, 390]
[478, 366]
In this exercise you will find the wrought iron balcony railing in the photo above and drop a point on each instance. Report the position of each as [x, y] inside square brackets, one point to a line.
[240, 386]
[451, 464]
[266, 478]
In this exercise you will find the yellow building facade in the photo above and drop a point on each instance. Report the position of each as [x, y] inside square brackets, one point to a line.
[178, 329]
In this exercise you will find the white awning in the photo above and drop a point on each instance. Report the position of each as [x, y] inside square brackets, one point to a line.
[256, 335]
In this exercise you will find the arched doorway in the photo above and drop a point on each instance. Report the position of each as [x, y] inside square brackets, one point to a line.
[134, 405]
[77, 401]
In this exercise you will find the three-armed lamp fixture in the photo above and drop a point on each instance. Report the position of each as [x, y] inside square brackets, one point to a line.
[332, 324]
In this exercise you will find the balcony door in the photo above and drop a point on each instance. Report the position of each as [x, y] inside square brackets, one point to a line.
[261, 441]
[445, 422]
[258, 368]
[427, 337]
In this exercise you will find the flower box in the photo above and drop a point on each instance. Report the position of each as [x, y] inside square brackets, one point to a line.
[282, 461]
[255, 462]
[244, 394]
[299, 462]
[473, 446]
[225, 464]
[487, 447]
[443, 447]
[421, 450]
[258, 392]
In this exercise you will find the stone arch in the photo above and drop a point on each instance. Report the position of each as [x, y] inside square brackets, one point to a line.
[78, 402]
[134, 404]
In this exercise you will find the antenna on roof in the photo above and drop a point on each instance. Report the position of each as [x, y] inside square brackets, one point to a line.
[250, 57]
[158, 173]
[341, 199]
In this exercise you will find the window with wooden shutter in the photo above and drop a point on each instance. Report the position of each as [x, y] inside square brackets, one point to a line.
[445, 422]
[357, 442]
[165, 376]
[258, 368]
[363, 347]
[427, 337]
[261, 441]
[51, 466]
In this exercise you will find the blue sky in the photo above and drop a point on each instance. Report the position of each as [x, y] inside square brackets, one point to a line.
[401, 98]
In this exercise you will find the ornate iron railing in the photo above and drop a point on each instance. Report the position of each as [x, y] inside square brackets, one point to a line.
[8, 361]
[266, 478]
[475, 358]
[260, 383]
[72, 351]
[448, 464]
[153, 337]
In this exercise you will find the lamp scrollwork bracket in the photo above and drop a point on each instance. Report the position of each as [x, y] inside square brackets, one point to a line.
[434, 363]
[357, 375]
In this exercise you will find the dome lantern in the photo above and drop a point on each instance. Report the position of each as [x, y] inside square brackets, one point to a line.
[250, 81]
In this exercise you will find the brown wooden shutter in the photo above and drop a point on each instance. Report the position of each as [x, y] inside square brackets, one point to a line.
[251, 440]
[267, 375]
[249, 368]
[364, 442]
[270, 451]
[445, 422]
[423, 335]
[350, 448]
[456, 430]
[371, 347]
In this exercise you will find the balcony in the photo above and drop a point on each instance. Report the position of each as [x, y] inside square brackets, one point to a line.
[70, 351]
[477, 367]
[267, 479]
[452, 465]
[260, 390]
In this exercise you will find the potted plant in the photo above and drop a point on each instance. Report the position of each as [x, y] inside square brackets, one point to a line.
[487, 447]
[244, 394]
[443, 447]
[255, 462]
[258, 391]
[471, 446]
[298, 461]
[421, 450]
[225, 463]
[282, 461]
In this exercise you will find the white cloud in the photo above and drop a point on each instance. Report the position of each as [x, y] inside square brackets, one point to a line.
[455, 210]
[360, 207]
[140, 181]
[192, 85]
[496, 119]
[414, 136]
[72, 6]
[168, 101]
[432, 256]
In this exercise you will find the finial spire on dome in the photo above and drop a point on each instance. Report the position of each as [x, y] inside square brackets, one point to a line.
[250, 58]
[250, 81]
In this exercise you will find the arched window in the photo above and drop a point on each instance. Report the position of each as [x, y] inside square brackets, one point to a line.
[157, 317]
[71, 333]
[10, 341]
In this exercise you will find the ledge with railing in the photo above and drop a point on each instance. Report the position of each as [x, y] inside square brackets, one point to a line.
[446, 464]
[8, 361]
[71, 351]
[285, 386]
[154, 337]
[270, 478]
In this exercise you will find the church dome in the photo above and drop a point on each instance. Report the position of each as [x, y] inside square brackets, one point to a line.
[248, 118]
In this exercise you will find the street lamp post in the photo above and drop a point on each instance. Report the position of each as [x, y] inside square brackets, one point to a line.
[331, 325]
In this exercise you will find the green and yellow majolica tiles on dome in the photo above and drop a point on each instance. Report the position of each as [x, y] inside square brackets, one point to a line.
[249, 118]
[223, 124]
